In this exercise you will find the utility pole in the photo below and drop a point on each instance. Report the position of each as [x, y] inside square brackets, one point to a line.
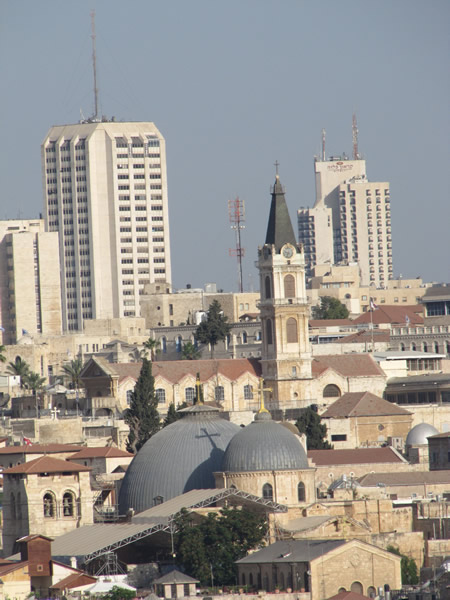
[236, 210]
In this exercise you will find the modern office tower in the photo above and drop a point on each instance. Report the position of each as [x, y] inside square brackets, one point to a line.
[105, 189]
[350, 221]
[30, 291]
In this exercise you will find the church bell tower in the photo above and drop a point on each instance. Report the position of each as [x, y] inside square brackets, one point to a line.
[286, 352]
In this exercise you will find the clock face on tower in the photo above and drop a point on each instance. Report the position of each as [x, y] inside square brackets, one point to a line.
[288, 251]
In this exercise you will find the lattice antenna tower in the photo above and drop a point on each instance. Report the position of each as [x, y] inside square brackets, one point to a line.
[236, 211]
[94, 64]
[356, 155]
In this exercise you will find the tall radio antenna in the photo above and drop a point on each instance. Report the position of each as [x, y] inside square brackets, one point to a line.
[236, 210]
[355, 138]
[94, 64]
[324, 133]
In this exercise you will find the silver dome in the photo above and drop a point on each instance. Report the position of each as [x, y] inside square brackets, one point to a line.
[181, 457]
[264, 446]
[419, 434]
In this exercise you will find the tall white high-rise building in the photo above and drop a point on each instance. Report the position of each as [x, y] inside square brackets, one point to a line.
[105, 190]
[350, 222]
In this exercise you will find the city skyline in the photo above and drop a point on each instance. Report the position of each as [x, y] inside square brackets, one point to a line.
[233, 89]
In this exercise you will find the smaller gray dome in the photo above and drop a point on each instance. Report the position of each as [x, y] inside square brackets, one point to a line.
[419, 434]
[264, 445]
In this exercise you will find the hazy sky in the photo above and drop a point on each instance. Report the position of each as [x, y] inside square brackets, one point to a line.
[234, 86]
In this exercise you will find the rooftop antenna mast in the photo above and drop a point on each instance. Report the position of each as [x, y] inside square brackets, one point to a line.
[324, 134]
[236, 210]
[94, 64]
[355, 138]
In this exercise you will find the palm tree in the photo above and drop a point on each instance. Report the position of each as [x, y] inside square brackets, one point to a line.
[19, 368]
[190, 352]
[34, 382]
[2, 356]
[72, 371]
[152, 345]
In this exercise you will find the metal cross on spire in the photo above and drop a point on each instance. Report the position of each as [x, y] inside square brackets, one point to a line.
[276, 164]
[262, 389]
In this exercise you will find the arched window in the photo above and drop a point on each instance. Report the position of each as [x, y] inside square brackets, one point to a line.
[12, 502]
[268, 287]
[219, 393]
[49, 505]
[68, 504]
[331, 391]
[413, 347]
[189, 395]
[244, 337]
[267, 491]
[258, 336]
[371, 591]
[425, 347]
[291, 331]
[341, 589]
[160, 394]
[402, 347]
[269, 332]
[357, 587]
[301, 492]
[248, 392]
[436, 347]
[158, 500]
[164, 345]
[179, 343]
[289, 286]
[129, 397]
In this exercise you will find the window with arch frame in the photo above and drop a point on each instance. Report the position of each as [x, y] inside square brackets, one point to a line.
[160, 395]
[291, 331]
[268, 287]
[289, 286]
[49, 505]
[219, 393]
[68, 504]
[267, 491]
[269, 337]
[248, 392]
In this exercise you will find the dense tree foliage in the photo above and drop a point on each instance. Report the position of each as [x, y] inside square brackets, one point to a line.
[410, 575]
[214, 328]
[172, 414]
[19, 368]
[190, 352]
[316, 432]
[142, 416]
[209, 550]
[119, 593]
[330, 308]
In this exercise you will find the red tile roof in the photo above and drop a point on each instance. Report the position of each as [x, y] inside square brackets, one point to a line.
[12, 566]
[365, 336]
[347, 365]
[72, 581]
[394, 314]
[46, 464]
[362, 404]
[40, 449]
[357, 456]
[330, 322]
[104, 452]
[175, 370]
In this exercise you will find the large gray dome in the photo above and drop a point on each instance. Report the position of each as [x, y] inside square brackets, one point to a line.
[419, 434]
[181, 457]
[264, 446]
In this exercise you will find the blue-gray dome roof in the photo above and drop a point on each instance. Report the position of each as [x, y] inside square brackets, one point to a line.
[181, 457]
[264, 446]
[419, 434]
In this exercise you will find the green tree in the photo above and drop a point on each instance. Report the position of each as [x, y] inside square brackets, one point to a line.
[142, 417]
[316, 432]
[173, 414]
[330, 308]
[408, 566]
[19, 368]
[190, 352]
[71, 372]
[2, 356]
[214, 328]
[211, 548]
[119, 593]
[153, 346]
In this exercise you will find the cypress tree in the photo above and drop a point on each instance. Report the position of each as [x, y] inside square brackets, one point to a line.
[142, 416]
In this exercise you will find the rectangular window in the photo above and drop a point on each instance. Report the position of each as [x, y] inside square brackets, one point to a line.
[339, 437]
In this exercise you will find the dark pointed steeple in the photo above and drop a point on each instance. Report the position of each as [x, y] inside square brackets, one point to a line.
[279, 229]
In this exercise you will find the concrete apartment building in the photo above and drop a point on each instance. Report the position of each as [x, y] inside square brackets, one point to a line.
[105, 192]
[350, 221]
[30, 297]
